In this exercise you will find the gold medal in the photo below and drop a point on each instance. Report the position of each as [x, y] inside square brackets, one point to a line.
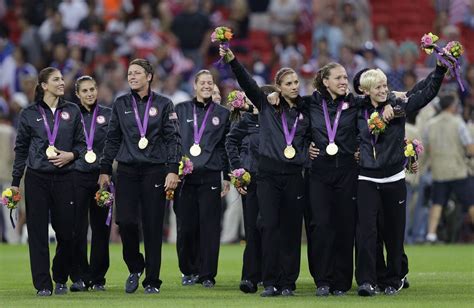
[289, 152]
[90, 157]
[332, 149]
[143, 143]
[50, 151]
[195, 150]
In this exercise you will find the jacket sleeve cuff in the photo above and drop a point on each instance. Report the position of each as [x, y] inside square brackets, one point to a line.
[226, 176]
[16, 181]
[441, 70]
[106, 169]
[173, 168]
[234, 63]
[76, 154]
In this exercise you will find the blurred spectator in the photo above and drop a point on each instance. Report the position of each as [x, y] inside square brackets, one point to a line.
[356, 28]
[469, 96]
[22, 67]
[372, 59]
[290, 52]
[386, 47]
[283, 16]
[58, 33]
[469, 14]
[7, 63]
[352, 62]
[328, 28]
[408, 53]
[239, 19]
[72, 12]
[193, 30]
[69, 64]
[170, 89]
[447, 141]
[322, 54]
[259, 17]
[31, 42]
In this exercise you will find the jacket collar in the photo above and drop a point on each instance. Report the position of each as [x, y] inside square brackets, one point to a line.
[61, 104]
[201, 105]
[84, 110]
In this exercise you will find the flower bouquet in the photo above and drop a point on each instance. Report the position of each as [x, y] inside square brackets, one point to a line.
[236, 100]
[222, 35]
[240, 178]
[413, 148]
[447, 56]
[10, 199]
[185, 167]
[105, 199]
[376, 124]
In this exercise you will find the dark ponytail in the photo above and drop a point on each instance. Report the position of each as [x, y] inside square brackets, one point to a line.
[43, 77]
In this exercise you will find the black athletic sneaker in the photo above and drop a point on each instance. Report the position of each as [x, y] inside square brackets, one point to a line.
[366, 290]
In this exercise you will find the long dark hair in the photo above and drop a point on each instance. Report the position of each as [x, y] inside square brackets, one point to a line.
[323, 73]
[43, 77]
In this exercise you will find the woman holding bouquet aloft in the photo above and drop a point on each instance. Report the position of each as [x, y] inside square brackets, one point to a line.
[381, 185]
[50, 138]
[204, 125]
[95, 119]
[143, 137]
[280, 187]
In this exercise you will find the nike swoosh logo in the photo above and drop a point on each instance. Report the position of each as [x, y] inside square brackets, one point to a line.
[188, 120]
[299, 197]
[401, 202]
[158, 185]
[213, 188]
[127, 112]
[37, 120]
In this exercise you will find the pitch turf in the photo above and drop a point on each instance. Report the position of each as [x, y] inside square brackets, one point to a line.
[440, 276]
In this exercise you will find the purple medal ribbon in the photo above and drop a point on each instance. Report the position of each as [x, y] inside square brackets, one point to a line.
[289, 136]
[109, 215]
[90, 136]
[332, 130]
[199, 132]
[51, 135]
[220, 64]
[142, 128]
[453, 67]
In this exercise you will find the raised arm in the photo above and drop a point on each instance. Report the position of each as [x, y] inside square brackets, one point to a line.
[245, 80]
[422, 97]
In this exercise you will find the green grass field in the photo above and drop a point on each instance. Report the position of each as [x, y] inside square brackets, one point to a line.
[440, 276]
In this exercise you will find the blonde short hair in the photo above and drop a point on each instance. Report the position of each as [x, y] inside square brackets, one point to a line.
[370, 78]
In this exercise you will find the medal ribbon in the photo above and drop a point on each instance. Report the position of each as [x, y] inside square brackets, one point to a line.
[289, 136]
[332, 130]
[51, 135]
[142, 128]
[199, 132]
[90, 136]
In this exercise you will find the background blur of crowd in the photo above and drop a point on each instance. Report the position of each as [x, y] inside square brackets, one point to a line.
[100, 37]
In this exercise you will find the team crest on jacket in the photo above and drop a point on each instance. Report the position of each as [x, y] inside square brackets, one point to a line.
[100, 119]
[153, 112]
[215, 121]
[345, 105]
[65, 115]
